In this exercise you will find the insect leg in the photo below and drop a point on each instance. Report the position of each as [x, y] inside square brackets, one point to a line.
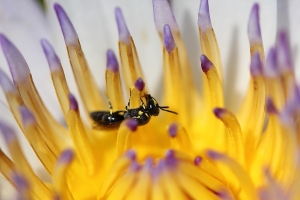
[128, 104]
[110, 106]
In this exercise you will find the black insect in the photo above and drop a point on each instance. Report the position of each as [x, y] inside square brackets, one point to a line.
[107, 119]
[111, 120]
[143, 113]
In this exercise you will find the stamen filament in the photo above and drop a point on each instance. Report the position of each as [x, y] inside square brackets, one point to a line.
[238, 171]
[6, 167]
[34, 134]
[58, 77]
[113, 82]
[88, 89]
[116, 170]
[38, 188]
[131, 67]
[236, 146]
[60, 175]
[80, 138]
[143, 183]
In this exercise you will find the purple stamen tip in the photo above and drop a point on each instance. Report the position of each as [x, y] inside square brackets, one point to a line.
[170, 153]
[284, 52]
[131, 154]
[139, 84]
[132, 124]
[204, 17]
[173, 129]
[223, 194]
[170, 157]
[6, 83]
[163, 15]
[7, 132]
[134, 166]
[19, 181]
[70, 35]
[66, 157]
[271, 107]
[198, 160]
[27, 116]
[52, 58]
[256, 65]
[73, 103]
[206, 64]
[254, 32]
[219, 112]
[124, 34]
[149, 162]
[169, 41]
[271, 69]
[111, 61]
[16, 62]
[213, 154]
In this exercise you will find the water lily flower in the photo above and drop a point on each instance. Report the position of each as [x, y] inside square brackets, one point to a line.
[143, 150]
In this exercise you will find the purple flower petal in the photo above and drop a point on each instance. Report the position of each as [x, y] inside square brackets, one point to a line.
[163, 15]
[52, 58]
[169, 42]
[124, 34]
[6, 84]
[70, 35]
[256, 65]
[111, 61]
[204, 17]
[18, 67]
[254, 32]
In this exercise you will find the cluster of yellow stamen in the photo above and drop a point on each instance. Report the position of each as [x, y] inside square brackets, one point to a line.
[204, 152]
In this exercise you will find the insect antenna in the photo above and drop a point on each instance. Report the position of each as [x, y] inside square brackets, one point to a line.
[170, 111]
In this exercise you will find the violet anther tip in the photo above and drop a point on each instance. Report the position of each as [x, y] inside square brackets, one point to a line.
[132, 124]
[131, 154]
[163, 15]
[256, 65]
[134, 166]
[254, 32]
[52, 58]
[219, 112]
[271, 107]
[7, 132]
[73, 103]
[124, 34]
[27, 116]
[284, 56]
[213, 154]
[198, 160]
[6, 83]
[206, 64]
[204, 21]
[173, 129]
[16, 62]
[66, 25]
[66, 156]
[111, 61]
[139, 84]
[169, 41]
[20, 182]
[271, 69]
